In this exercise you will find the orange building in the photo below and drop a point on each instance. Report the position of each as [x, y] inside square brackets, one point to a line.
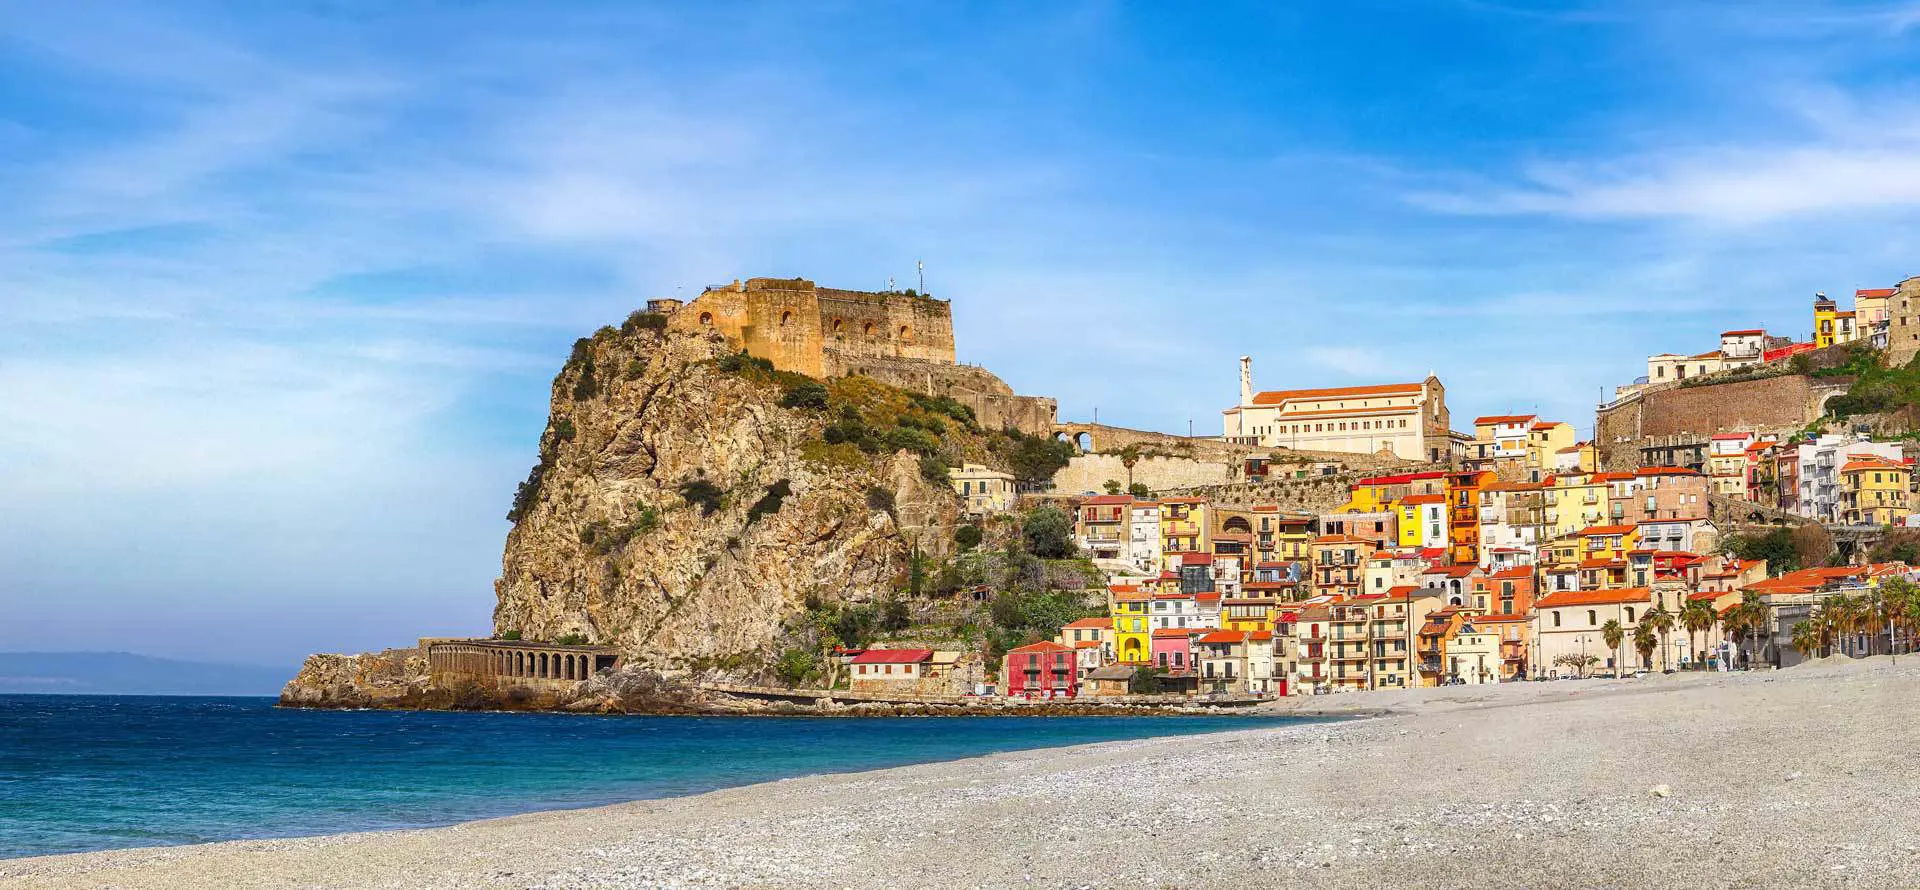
[1463, 514]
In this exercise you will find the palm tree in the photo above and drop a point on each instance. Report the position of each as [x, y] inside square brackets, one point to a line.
[1842, 613]
[1644, 641]
[1661, 622]
[1129, 456]
[1612, 633]
[1698, 617]
[1749, 619]
[1807, 637]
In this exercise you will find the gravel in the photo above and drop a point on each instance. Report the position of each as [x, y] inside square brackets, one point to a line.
[1806, 778]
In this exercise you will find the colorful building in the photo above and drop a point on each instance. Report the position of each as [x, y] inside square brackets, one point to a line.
[1040, 670]
[1875, 490]
[1409, 420]
[1130, 606]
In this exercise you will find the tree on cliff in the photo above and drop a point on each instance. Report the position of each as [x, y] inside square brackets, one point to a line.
[1034, 459]
[1048, 533]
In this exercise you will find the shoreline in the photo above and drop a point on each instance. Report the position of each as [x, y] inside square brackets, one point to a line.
[1799, 776]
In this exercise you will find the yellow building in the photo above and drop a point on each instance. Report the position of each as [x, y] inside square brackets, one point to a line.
[1545, 441]
[1831, 326]
[1607, 541]
[1281, 536]
[1580, 457]
[987, 491]
[1183, 529]
[1576, 501]
[1874, 490]
[1129, 604]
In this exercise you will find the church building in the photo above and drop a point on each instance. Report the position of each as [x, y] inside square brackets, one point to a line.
[1409, 420]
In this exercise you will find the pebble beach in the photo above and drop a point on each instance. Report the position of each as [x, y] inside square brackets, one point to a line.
[1808, 777]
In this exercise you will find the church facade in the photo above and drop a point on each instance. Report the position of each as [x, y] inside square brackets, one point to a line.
[1408, 420]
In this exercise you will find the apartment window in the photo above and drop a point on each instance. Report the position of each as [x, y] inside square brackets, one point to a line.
[1629, 614]
[1592, 619]
[1556, 619]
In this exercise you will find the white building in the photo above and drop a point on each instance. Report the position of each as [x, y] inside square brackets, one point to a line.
[1143, 536]
[1410, 420]
[1820, 462]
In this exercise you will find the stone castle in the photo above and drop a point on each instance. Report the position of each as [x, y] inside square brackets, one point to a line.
[902, 339]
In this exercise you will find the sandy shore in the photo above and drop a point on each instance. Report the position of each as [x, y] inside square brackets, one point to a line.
[1802, 778]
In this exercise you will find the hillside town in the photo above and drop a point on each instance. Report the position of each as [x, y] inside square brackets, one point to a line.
[1517, 553]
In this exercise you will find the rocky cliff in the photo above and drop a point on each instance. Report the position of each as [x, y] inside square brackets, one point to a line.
[688, 505]
[682, 514]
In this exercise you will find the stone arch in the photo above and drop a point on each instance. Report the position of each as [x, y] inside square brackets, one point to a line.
[542, 671]
[1237, 524]
[866, 330]
[1822, 409]
[706, 319]
[839, 326]
[786, 318]
[1083, 440]
[906, 334]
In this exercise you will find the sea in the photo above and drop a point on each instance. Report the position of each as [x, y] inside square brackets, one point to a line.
[81, 773]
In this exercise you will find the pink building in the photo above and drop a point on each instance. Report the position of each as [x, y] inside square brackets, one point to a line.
[1040, 670]
[1172, 649]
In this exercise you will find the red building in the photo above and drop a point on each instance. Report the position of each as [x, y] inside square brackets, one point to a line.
[1040, 670]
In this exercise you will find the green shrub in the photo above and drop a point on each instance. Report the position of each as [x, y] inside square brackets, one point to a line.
[1112, 486]
[805, 394]
[1140, 490]
[895, 616]
[917, 441]
[510, 635]
[795, 666]
[703, 494]
[1047, 533]
[642, 320]
[572, 640]
[563, 430]
[880, 499]
[933, 469]
[770, 503]
[741, 362]
[587, 386]
[636, 368]
[528, 492]
[967, 537]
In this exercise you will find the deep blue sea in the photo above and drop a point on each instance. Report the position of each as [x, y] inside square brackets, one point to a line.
[84, 773]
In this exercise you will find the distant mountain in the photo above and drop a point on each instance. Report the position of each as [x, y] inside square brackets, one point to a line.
[122, 673]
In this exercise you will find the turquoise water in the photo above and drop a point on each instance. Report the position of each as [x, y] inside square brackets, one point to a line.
[84, 773]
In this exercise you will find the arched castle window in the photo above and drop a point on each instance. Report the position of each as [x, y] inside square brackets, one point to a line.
[706, 318]
[839, 324]
[906, 334]
[786, 318]
[867, 330]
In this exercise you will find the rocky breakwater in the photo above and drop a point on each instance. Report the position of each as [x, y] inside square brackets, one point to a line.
[690, 503]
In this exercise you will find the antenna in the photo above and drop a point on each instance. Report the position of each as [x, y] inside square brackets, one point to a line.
[920, 266]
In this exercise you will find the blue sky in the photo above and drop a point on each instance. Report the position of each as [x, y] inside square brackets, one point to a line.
[282, 285]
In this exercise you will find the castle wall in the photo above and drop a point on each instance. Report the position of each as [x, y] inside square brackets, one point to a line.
[861, 325]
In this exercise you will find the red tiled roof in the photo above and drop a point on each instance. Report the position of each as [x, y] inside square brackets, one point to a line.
[1386, 389]
[1755, 332]
[1871, 462]
[1225, 636]
[1875, 292]
[1042, 646]
[1092, 622]
[1665, 471]
[1087, 644]
[1165, 633]
[1515, 572]
[893, 656]
[1195, 559]
[1592, 597]
[1424, 499]
[1604, 530]
[1106, 500]
[1721, 437]
[1494, 419]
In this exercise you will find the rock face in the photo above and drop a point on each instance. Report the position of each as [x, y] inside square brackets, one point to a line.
[654, 521]
[392, 679]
